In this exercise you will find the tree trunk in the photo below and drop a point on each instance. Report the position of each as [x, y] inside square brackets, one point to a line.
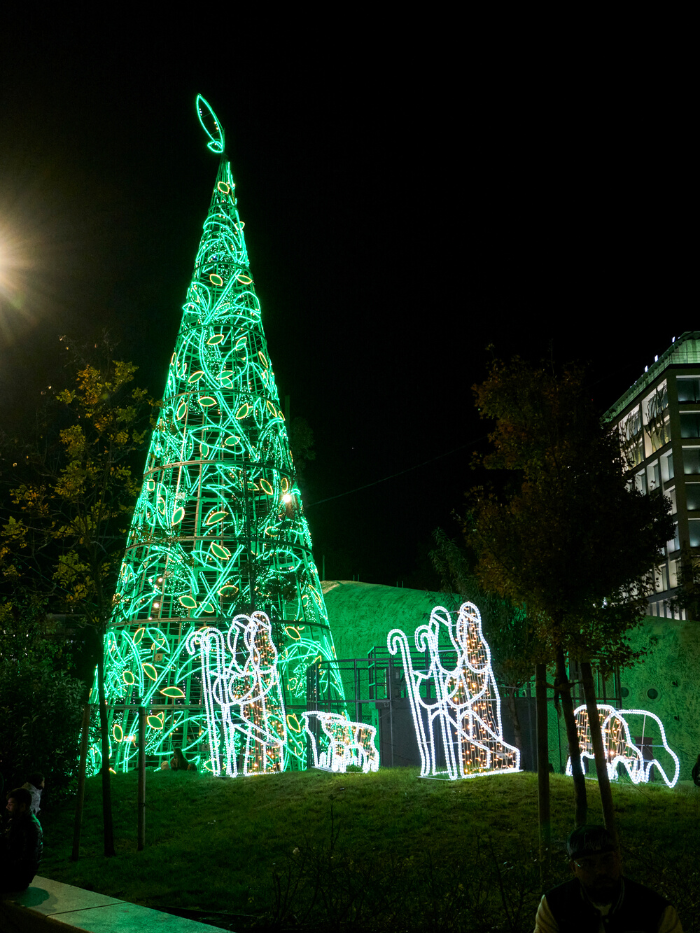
[513, 707]
[542, 760]
[106, 785]
[141, 802]
[564, 688]
[601, 763]
[75, 854]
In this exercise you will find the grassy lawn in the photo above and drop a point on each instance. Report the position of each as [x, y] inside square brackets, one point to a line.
[383, 851]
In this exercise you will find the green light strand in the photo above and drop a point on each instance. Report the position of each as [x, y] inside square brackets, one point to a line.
[211, 126]
[219, 527]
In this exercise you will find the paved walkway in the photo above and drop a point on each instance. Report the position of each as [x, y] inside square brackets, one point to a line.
[51, 905]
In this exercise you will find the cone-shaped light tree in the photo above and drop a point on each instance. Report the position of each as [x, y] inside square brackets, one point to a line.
[218, 611]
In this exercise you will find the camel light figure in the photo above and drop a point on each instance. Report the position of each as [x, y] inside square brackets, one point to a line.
[242, 695]
[344, 742]
[467, 710]
[618, 745]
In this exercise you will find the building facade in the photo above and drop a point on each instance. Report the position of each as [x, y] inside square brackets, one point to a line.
[659, 423]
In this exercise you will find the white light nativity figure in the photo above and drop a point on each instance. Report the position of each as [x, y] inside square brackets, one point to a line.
[242, 696]
[467, 710]
[618, 745]
[343, 742]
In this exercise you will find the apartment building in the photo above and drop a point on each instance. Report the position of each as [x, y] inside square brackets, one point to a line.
[659, 423]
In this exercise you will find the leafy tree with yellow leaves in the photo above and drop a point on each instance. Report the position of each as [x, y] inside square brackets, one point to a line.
[72, 490]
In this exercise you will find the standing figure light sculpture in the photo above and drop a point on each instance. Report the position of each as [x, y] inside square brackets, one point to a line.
[618, 745]
[467, 708]
[342, 743]
[218, 537]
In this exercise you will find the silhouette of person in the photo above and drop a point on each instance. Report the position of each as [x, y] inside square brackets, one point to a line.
[598, 897]
[22, 843]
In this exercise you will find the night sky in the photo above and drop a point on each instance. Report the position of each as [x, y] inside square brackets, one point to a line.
[410, 197]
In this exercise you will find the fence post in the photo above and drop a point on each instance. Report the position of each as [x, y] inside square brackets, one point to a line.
[75, 854]
[142, 780]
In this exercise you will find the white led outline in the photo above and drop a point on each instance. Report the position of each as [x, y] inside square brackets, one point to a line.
[638, 769]
[471, 732]
[346, 743]
[250, 691]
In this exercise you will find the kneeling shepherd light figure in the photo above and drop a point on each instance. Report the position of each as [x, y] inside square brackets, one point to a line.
[242, 695]
[467, 708]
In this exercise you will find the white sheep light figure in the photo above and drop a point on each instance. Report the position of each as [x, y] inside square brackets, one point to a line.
[467, 708]
[618, 745]
[344, 742]
[242, 695]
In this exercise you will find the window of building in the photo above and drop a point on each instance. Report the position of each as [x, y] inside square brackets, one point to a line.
[671, 493]
[655, 403]
[661, 578]
[674, 543]
[640, 482]
[656, 421]
[690, 424]
[653, 476]
[631, 426]
[667, 467]
[673, 571]
[692, 495]
[694, 529]
[631, 437]
[691, 461]
[658, 433]
[688, 389]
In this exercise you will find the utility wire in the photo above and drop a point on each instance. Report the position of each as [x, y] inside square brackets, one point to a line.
[410, 469]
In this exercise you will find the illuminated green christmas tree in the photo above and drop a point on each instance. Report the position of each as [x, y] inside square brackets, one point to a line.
[218, 538]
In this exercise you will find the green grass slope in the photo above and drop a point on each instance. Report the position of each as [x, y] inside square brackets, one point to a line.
[377, 852]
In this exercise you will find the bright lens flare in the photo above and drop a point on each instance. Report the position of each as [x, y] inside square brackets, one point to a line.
[16, 298]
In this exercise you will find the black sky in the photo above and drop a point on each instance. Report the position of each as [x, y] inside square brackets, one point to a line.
[410, 194]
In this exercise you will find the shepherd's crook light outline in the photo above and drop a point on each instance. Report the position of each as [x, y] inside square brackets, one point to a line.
[468, 705]
[242, 695]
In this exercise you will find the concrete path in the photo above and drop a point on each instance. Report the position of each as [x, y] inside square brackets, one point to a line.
[49, 905]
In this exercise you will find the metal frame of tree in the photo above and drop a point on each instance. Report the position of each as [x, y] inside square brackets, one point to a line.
[218, 529]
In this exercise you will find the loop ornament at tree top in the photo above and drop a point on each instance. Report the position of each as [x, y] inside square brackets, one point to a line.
[210, 125]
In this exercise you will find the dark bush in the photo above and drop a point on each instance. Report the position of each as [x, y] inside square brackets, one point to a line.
[40, 714]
